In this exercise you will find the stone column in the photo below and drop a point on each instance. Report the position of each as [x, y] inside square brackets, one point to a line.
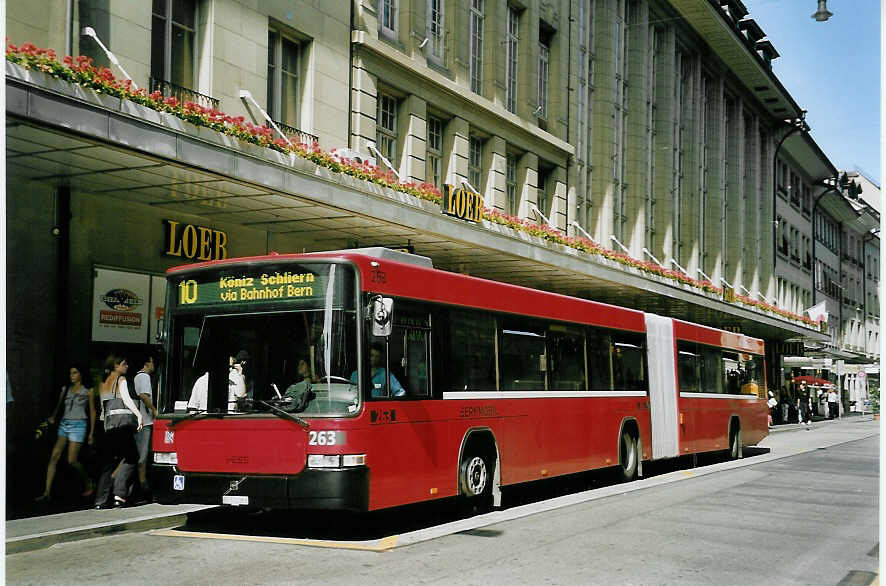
[527, 185]
[413, 114]
[364, 94]
[455, 151]
[495, 196]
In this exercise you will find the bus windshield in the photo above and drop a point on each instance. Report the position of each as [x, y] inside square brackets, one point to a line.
[240, 345]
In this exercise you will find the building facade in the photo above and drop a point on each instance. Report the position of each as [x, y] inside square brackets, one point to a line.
[652, 128]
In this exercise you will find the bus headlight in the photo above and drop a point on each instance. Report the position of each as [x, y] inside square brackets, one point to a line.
[170, 458]
[324, 461]
[335, 460]
[353, 460]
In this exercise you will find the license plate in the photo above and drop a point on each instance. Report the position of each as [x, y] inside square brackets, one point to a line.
[178, 482]
[235, 500]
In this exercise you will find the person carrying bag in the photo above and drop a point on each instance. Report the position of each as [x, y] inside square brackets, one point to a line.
[121, 420]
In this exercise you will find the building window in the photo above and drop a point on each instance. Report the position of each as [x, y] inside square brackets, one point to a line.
[173, 41]
[511, 183]
[436, 29]
[513, 41]
[475, 163]
[386, 127]
[283, 79]
[544, 58]
[476, 49]
[544, 201]
[387, 17]
[434, 149]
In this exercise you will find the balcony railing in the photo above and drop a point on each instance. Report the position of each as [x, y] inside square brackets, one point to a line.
[182, 94]
[299, 135]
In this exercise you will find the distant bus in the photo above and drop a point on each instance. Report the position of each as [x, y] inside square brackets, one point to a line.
[366, 379]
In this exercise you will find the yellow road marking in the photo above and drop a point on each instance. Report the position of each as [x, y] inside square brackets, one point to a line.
[688, 473]
[382, 544]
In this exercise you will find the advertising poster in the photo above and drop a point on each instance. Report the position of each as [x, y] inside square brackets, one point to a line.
[120, 306]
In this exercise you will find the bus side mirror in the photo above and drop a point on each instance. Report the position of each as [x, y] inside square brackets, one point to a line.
[381, 312]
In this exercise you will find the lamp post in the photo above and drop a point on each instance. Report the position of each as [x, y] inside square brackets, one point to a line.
[822, 14]
[797, 125]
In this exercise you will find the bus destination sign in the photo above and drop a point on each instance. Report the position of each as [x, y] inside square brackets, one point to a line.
[258, 288]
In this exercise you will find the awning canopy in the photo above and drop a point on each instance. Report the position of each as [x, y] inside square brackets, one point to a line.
[108, 147]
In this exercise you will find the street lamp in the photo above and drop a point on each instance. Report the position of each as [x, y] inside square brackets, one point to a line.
[822, 14]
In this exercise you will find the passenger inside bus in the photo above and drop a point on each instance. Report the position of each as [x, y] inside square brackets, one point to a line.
[380, 375]
[299, 394]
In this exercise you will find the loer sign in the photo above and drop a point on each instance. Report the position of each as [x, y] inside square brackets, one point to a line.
[461, 203]
[195, 242]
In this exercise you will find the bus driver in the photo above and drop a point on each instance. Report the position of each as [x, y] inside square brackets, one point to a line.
[379, 374]
[236, 384]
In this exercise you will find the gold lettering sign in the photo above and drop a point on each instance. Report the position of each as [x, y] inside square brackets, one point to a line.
[461, 203]
[729, 294]
[195, 242]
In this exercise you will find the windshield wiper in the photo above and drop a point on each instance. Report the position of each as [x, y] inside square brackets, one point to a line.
[189, 416]
[281, 413]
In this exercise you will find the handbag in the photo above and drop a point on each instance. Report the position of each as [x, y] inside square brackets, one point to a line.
[118, 417]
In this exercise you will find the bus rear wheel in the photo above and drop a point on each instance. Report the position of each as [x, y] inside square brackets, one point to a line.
[629, 459]
[734, 442]
[475, 479]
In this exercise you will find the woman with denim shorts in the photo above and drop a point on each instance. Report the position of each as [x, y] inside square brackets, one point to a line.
[77, 423]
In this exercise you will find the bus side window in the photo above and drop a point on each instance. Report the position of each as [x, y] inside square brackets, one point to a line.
[409, 354]
[567, 359]
[599, 360]
[409, 348]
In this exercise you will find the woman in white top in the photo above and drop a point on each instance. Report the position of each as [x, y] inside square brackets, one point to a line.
[120, 443]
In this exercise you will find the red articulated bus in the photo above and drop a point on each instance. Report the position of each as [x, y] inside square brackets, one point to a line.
[366, 379]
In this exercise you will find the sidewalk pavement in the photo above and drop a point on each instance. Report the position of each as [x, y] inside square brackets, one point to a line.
[846, 418]
[40, 532]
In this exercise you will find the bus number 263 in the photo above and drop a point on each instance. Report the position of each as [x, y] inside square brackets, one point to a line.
[325, 438]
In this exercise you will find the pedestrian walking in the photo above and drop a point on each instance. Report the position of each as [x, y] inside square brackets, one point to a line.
[833, 404]
[76, 426]
[120, 442]
[143, 391]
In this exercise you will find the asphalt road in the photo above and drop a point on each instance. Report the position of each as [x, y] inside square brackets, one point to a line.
[802, 509]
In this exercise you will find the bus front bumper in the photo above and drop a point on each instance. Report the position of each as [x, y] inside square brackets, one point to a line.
[323, 488]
